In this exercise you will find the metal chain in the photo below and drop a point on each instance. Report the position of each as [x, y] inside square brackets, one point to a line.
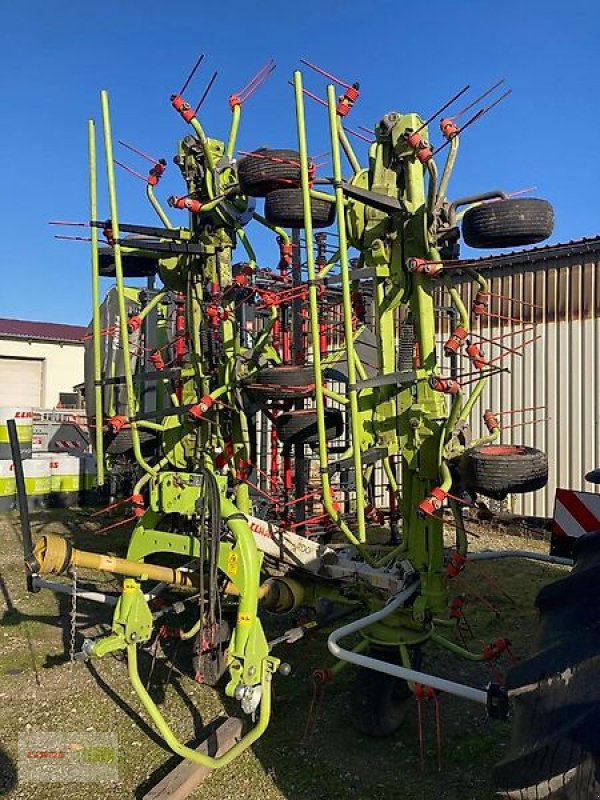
[73, 614]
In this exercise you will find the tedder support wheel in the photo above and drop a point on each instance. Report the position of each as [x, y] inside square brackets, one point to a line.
[282, 383]
[508, 223]
[284, 207]
[555, 694]
[379, 702]
[264, 170]
[498, 470]
[294, 427]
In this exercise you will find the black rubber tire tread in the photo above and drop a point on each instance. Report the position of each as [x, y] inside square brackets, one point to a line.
[489, 472]
[379, 703]
[508, 223]
[295, 427]
[555, 743]
[268, 170]
[122, 441]
[283, 382]
[284, 208]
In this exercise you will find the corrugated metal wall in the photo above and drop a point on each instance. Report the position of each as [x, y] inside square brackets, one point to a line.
[559, 372]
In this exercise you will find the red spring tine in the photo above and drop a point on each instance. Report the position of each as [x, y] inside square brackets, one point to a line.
[520, 192]
[469, 122]
[247, 95]
[514, 300]
[478, 99]
[206, 91]
[444, 107]
[311, 95]
[511, 411]
[359, 135]
[521, 347]
[191, 75]
[68, 223]
[74, 238]
[253, 80]
[256, 81]
[139, 152]
[326, 74]
[527, 422]
[131, 171]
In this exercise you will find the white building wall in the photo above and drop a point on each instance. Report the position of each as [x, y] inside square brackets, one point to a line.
[559, 372]
[62, 364]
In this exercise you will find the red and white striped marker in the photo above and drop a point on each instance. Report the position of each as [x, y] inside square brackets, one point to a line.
[575, 514]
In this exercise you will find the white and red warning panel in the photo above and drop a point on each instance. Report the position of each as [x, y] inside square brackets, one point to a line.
[575, 514]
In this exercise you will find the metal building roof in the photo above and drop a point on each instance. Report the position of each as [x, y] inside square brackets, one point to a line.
[41, 331]
[536, 254]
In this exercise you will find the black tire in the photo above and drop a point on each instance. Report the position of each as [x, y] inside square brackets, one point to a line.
[555, 694]
[508, 223]
[284, 208]
[498, 470]
[294, 427]
[282, 383]
[265, 170]
[379, 702]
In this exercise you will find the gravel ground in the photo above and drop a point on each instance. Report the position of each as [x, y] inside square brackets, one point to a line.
[41, 691]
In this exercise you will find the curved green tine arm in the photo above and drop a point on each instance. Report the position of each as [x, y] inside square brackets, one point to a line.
[448, 167]
[157, 207]
[208, 154]
[124, 333]
[275, 228]
[99, 415]
[335, 258]
[327, 500]
[347, 303]
[347, 147]
[236, 112]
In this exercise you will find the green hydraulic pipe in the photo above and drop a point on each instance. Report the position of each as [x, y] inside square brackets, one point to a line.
[347, 304]
[157, 207]
[176, 746]
[236, 112]
[348, 150]
[96, 304]
[124, 333]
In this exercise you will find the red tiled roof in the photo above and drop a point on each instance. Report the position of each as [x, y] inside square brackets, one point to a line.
[45, 331]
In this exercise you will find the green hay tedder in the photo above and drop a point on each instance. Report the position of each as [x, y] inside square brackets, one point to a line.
[297, 437]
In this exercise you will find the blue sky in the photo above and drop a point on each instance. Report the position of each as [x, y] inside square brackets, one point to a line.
[58, 55]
